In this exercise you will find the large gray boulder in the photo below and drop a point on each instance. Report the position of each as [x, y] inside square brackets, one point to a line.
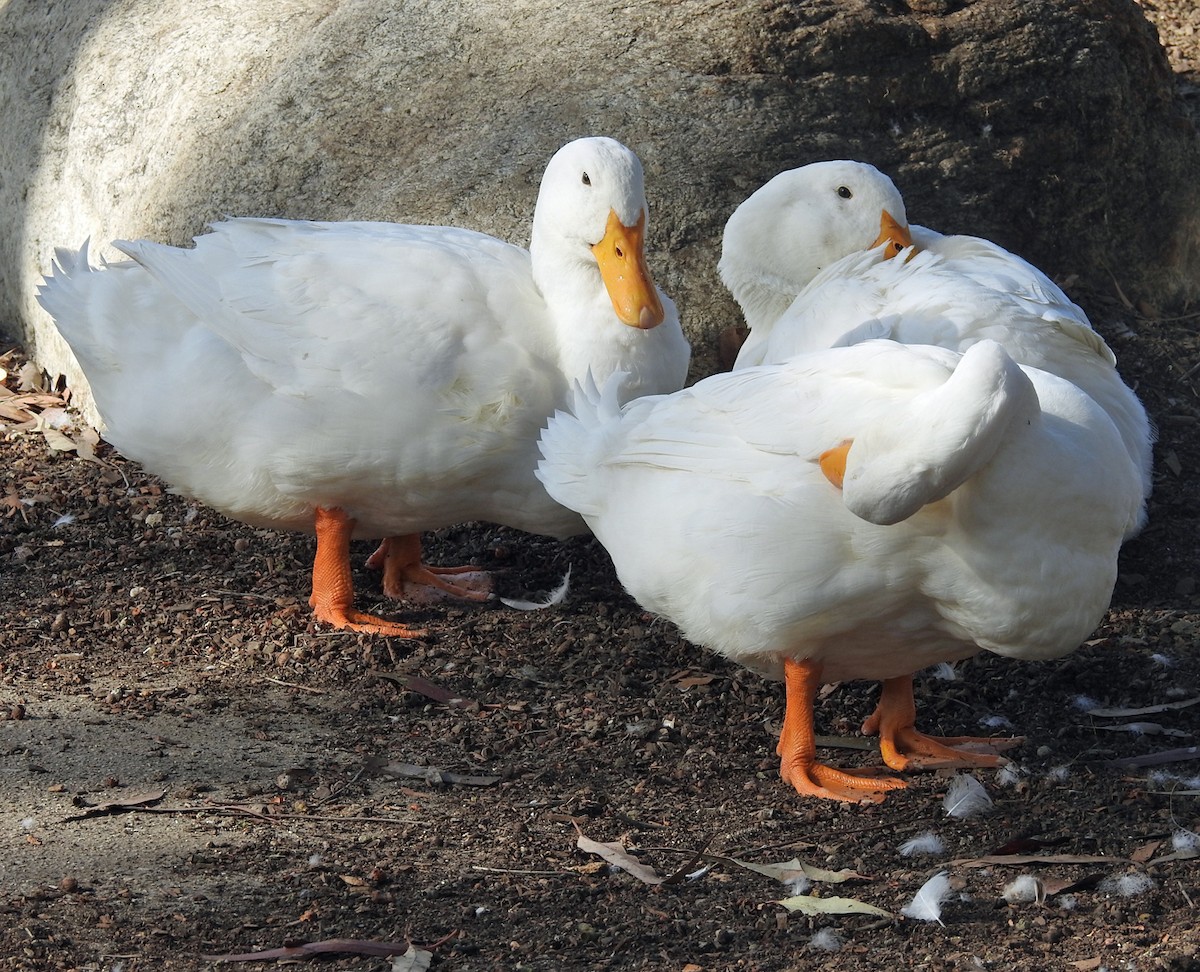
[1049, 127]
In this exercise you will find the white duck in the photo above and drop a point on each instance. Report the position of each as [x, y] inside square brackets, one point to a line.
[360, 379]
[793, 257]
[859, 512]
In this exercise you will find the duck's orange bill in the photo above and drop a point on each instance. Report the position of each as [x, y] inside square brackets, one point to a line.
[896, 237]
[622, 259]
[833, 462]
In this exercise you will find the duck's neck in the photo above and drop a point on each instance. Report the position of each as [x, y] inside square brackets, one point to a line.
[763, 298]
[585, 329]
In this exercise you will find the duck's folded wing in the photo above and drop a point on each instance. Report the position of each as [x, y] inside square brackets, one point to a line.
[921, 421]
[300, 300]
[1028, 289]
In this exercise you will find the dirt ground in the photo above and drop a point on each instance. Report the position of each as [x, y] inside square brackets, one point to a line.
[188, 768]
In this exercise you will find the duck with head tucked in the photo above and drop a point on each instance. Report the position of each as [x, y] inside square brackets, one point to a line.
[374, 380]
[823, 256]
[860, 512]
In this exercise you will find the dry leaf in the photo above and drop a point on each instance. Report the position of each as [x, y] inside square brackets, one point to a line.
[1157, 759]
[431, 774]
[11, 503]
[29, 378]
[134, 801]
[1145, 852]
[1147, 729]
[790, 870]
[1185, 854]
[616, 855]
[1053, 886]
[414, 960]
[332, 946]
[422, 686]
[695, 681]
[86, 443]
[810, 904]
[14, 413]
[1144, 710]
[1086, 965]
[58, 442]
[991, 859]
[1024, 845]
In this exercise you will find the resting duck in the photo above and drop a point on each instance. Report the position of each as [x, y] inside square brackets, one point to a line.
[858, 512]
[807, 257]
[357, 379]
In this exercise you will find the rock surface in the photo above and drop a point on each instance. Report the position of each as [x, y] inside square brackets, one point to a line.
[1051, 128]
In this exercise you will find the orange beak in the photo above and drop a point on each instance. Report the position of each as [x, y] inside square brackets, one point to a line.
[893, 234]
[833, 462]
[622, 259]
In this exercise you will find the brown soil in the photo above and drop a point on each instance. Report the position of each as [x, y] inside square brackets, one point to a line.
[153, 652]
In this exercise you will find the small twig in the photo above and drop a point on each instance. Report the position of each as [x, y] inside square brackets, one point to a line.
[315, 818]
[637, 824]
[1168, 320]
[1186, 896]
[237, 808]
[846, 742]
[521, 870]
[686, 869]
[332, 819]
[260, 597]
[903, 825]
[302, 688]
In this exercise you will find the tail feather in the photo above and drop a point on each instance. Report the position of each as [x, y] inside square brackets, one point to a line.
[68, 295]
[574, 442]
[59, 290]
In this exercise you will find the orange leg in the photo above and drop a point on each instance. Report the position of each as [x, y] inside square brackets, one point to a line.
[405, 576]
[798, 746]
[903, 747]
[332, 586]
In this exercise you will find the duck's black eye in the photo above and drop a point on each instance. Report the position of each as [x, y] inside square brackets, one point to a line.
[587, 179]
[844, 192]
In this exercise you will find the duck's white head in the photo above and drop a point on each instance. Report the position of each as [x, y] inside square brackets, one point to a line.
[800, 222]
[591, 216]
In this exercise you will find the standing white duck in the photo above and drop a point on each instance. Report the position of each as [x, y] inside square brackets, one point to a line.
[794, 258]
[859, 512]
[803, 257]
[359, 379]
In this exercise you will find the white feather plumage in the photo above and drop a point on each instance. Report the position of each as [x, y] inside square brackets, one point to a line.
[923, 844]
[966, 797]
[554, 598]
[1023, 889]
[927, 905]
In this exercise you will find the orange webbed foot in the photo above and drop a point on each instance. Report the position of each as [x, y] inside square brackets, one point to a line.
[351, 620]
[797, 748]
[903, 747]
[828, 782]
[332, 597]
[405, 577]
